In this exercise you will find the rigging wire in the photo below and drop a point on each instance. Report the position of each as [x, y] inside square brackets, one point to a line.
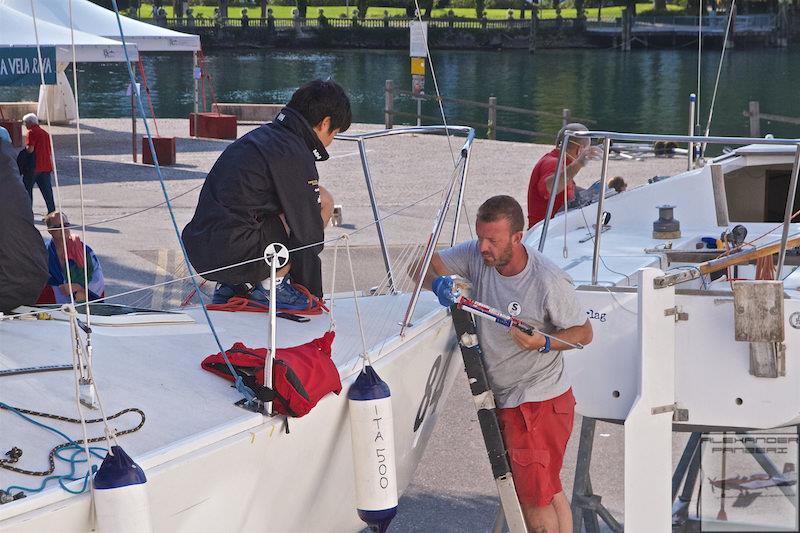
[699, 58]
[239, 384]
[436, 86]
[732, 10]
[77, 367]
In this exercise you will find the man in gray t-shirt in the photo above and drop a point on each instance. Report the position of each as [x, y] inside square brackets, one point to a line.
[526, 372]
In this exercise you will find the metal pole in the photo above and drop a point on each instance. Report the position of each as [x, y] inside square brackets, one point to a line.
[196, 94]
[787, 218]
[419, 111]
[273, 318]
[552, 200]
[690, 151]
[599, 227]
[438, 225]
[362, 150]
[460, 201]
[133, 116]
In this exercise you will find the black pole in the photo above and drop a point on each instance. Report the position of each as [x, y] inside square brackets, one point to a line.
[483, 397]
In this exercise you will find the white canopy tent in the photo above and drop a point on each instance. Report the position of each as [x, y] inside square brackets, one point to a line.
[17, 30]
[91, 18]
[97, 39]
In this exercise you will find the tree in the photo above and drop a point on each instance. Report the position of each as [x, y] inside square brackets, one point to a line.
[480, 6]
[362, 5]
[660, 6]
[427, 5]
[302, 7]
[264, 9]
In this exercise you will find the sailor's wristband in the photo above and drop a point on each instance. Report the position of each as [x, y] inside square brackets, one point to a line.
[546, 347]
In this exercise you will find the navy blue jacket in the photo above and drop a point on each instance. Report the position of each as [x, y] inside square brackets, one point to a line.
[268, 172]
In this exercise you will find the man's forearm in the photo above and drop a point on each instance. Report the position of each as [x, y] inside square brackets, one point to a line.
[575, 335]
[572, 170]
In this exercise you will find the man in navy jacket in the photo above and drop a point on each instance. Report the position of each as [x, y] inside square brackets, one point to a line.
[264, 188]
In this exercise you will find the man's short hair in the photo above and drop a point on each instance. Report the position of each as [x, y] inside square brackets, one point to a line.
[319, 99]
[573, 126]
[30, 119]
[55, 220]
[502, 207]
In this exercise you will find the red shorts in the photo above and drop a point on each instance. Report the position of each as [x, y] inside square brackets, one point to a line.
[536, 435]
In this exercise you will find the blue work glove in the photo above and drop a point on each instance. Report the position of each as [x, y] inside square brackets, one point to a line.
[444, 288]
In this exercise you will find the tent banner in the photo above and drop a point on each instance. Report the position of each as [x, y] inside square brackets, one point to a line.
[20, 66]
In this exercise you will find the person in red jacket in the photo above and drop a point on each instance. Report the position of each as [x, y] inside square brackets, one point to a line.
[38, 143]
[579, 153]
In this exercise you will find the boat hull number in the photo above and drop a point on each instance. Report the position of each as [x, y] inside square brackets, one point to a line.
[434, 386]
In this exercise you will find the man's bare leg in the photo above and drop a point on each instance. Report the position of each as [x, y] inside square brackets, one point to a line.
[325, 206]
[563, 510]
[541, 519]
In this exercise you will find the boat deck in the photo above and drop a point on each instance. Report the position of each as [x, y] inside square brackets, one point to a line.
[156, 368]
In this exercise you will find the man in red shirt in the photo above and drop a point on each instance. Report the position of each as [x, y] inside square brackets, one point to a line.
[38, 143]
[579, 152]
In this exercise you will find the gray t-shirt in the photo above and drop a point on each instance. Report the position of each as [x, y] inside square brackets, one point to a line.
[541, 295]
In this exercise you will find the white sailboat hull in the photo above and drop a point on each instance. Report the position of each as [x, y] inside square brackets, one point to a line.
[250, 475]
[713, 381]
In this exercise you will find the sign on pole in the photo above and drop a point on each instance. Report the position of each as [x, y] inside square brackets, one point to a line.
[419, 38]
[418, 50]
[20, 66]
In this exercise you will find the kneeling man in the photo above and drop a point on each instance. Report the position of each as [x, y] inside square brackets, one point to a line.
[264, 188]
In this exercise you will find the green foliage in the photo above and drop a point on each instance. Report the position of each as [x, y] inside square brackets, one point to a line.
[494, 9]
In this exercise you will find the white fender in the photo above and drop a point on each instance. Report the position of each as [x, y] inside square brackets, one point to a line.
[120, 495]
[372, 431]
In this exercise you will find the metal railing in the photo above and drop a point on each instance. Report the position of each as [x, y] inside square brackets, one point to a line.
[608, 136]
[709, 23]
[491, 106]
[313, 20]
[458, 181]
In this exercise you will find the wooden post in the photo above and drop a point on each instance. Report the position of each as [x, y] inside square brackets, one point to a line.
[532, 37]
[492, 123]
[755, 119]
[388, 115]
[565, 117]
[627, 21]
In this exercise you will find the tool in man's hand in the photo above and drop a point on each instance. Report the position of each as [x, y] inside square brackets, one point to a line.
[450, 289]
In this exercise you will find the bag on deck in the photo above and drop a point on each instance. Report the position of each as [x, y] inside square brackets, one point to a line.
[301, 375]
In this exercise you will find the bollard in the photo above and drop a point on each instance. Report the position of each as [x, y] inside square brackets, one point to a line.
[388, 113]
[755, 119]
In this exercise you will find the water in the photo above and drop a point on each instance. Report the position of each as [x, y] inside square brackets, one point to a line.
[645, 90]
